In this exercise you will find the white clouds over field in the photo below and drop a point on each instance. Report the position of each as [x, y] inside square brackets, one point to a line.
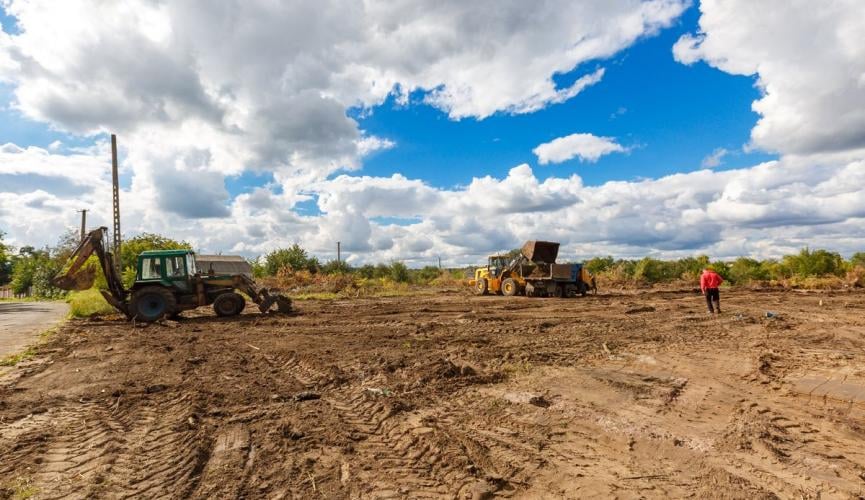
[586, 147]
[201, 91]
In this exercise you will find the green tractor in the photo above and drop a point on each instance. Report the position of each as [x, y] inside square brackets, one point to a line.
[167, 282]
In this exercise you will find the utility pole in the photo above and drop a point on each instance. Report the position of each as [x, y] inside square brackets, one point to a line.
[83, 222]
[440, 263]
[338, 252]
[115, 180]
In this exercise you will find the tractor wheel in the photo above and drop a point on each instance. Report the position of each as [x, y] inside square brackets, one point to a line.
[510, 287]
[482, 286]
[229, 304]
[152, 303]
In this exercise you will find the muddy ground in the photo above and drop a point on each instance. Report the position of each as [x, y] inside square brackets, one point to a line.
[619, 395]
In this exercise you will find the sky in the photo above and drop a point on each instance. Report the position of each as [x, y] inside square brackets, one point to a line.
[414, 131]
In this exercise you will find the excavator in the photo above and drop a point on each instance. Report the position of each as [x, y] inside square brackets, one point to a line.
[167, 282]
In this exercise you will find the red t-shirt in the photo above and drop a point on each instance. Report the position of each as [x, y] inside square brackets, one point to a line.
[710, 279]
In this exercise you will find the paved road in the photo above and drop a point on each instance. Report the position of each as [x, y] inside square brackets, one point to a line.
[22, 322]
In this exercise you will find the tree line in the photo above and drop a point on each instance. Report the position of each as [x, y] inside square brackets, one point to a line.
[29, 269]
[741, 271]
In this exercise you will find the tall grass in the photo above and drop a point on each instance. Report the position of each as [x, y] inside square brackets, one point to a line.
[86, 303]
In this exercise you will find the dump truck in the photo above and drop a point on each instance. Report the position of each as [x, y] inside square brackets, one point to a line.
[533, 273]
[167, 282]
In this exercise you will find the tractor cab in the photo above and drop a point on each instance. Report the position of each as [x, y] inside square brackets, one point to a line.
[168, 267]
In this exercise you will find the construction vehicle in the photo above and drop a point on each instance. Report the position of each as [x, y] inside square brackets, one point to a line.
[533, 273]
[167, 282]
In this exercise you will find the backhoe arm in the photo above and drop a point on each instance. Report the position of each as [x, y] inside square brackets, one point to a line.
[73, 277]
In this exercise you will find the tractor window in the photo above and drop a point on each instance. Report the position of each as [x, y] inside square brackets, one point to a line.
[151, 269]
[174, 266]
[190, 264]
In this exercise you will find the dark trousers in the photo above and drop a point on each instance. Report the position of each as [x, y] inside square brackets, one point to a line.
[713, 295]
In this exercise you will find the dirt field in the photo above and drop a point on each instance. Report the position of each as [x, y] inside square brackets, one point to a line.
[629, 395]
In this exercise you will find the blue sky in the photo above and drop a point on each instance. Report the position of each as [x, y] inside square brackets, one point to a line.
[671, 114]
[420, 130]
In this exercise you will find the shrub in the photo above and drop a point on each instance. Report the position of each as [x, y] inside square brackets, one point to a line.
[597, 265]
[652, 270]
[426, 275]
[399, 272]
[745, 270]
[336, 267]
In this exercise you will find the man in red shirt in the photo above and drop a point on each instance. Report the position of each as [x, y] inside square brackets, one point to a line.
[709, 283]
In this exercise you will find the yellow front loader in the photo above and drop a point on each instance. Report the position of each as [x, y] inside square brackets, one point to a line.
[499, 277]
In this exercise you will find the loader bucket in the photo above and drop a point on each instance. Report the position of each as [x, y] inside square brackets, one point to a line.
[541, 251]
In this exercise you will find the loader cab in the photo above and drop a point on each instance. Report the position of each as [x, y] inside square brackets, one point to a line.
[167, 267]
[496, 264]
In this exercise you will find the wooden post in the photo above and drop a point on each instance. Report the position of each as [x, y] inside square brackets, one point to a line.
[338, 252]
[115, 180]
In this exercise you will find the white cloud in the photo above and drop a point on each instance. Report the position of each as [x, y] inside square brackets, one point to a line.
[764, 210]
[587, 147]
[715, 159]
[809, 60]
[202, 90]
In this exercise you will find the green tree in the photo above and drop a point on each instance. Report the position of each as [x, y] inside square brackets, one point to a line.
[809, 263]
[258, 269]
[5, 261]
[857, 260]
[32, 270]
[293, 257]
[597, 265]
[690, 267]
[131, 248]
[653, 270]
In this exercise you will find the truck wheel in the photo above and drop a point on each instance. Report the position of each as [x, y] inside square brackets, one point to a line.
[510, 287]
[584, 289]
[152, 303]
[560, 292]
[229, 304]
[482, 287]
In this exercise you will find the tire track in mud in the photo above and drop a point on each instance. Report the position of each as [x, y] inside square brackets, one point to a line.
[161, 453]
[407, 451]
[88, 449]
[432, 452]
[72, 446]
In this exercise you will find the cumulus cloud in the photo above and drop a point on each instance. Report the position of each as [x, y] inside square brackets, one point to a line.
[764, 210]
[586, 147]
[809, 60]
